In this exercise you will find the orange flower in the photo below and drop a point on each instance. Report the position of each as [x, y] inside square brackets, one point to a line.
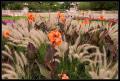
[58, 41]
[6, 33]
[65, 77]
[31, 18]
[58, 14]
[101, 17]
[86, 21]
[55, 38]
[61, 14]
[62, 18]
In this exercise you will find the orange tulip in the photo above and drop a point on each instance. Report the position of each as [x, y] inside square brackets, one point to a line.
[55, 37]
[101, 17]
[6, 33]
[65, 77]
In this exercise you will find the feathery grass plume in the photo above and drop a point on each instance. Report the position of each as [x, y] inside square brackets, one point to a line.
[67, 24]
[41, 23]
[8, 66]
[60, 52]
[22, 22]
[20, 36]
[4, 53]
[113, 33]
[15, 69]
[8, 49]
[110, 35]
[46, 73]
[84, 52]
[62, 49]
[10, 72]
[100, 35]
[104, 69]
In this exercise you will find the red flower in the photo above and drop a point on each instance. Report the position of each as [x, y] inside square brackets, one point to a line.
[86, 21]
[101, 17]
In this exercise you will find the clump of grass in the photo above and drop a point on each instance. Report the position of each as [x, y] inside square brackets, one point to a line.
[14, 17]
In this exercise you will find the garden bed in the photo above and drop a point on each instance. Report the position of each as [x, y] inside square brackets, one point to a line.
[62, 50]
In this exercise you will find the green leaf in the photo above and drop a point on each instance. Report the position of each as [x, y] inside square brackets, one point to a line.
[41, 51]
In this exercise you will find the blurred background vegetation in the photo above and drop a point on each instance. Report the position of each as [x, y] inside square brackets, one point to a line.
[55, 6]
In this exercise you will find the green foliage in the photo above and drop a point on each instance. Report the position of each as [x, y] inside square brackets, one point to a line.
[74, 69]
[16, 6]
[65, 5]
[99, 5]
[54, 6]
[84, 5]
[41, 52]
[14, 18]
[111, 5]
[20, 49]
[3, 43]
[5, 4]
[33, 5]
